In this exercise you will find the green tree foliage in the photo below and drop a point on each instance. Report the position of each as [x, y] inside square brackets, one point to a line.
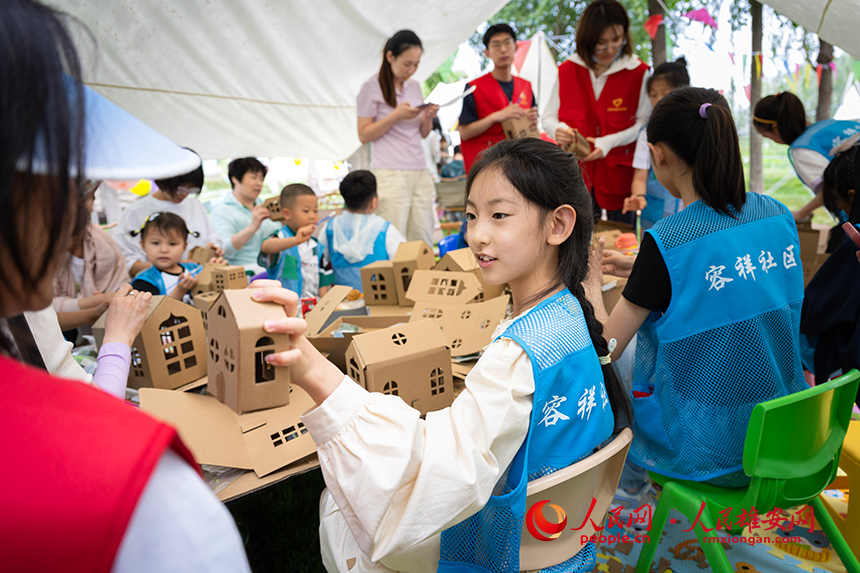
[443, 74]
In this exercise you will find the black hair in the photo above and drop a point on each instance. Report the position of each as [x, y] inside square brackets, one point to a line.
[238, 168]
[709, 145]
[674, 73]
[193, 179]
[358, 189]
[498, 29]
[165, 224]
[293, 191]
[598, 16]
[457, 149]
[42, 144]
[841, 176]
[396, 44]
[548, 178]
[785, 110]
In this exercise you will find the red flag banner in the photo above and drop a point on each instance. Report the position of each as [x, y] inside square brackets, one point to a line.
[652, 24]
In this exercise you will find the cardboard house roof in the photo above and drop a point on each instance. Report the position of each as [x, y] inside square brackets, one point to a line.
[458, 260]
[375, 348]
[317, 317]
[443, 286]
[154, 302]
[411, 251]
[248, 312]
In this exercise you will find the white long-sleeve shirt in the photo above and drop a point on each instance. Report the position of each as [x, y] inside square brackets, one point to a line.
[610, 141]
[399, 480]
[810, 166]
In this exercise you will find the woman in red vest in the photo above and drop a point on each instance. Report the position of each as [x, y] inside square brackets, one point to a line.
[601, 93]
[87, 483]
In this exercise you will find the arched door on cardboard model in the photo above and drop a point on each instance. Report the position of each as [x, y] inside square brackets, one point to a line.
[178, 348]
[263, 371]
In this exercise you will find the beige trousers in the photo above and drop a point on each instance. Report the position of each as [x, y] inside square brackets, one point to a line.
[406, 201]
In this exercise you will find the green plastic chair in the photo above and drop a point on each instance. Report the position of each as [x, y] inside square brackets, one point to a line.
[791, 452]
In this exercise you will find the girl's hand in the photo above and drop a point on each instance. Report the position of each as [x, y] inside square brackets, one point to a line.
[595, 154]
[308, 369]
[634, 203]
[617, 264]
[430, 110]
[405, 111]
[187, 281]
[126, 315]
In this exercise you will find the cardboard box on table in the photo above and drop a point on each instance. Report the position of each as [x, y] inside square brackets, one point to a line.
[409, 360]
[464, 261]
[410, 257]
[170, 350]
[202, 255]
[273, 204]
[239, 375]
[378, 283]
[813, 244]
[517, 128]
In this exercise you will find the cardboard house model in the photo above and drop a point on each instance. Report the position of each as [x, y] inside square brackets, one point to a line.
[378, 284]
[202, 301]
[468, 328]
[407, 360]
[170, 350]
[464, 261]
[219, 276]
[239, 375]
[273, 204]
[409, 258]
[201, 255]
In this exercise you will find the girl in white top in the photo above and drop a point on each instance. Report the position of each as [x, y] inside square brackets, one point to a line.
[174, 195]
[391, 117]
[395, 481]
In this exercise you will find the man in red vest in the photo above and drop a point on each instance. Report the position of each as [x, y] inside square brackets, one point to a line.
[499, 95]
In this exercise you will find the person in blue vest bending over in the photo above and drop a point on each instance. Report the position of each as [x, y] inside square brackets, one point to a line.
[781, 118]
[163, 238]
[292, 255]
[715, 296]
[498, 96]
[358, 237]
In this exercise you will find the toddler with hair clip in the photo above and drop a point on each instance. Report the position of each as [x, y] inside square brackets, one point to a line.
[163, 238]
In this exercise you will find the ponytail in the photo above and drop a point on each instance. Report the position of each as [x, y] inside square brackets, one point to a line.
[783, 110]
[841, 176]
[396, 44]
[696, 124]
[548, 178]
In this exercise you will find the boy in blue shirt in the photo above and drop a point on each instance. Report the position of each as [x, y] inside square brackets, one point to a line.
[291, 255]
[358, 237]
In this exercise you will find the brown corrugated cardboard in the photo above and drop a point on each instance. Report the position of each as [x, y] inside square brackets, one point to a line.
[387, 310]
[205, 279]
[239, 375]
[249, 482]
[265, 440]
[468, 328]
[408, 360]
[517, 128]
[317, 317]
[613, 287]
[170, 350]
[411, 256]
[229, 277]
[202, 301]
[202, 255]
[579, 147]
[378, 283]
[813, 242]
[273, 204]
[443, 287]
[336, 347]
[463, 260]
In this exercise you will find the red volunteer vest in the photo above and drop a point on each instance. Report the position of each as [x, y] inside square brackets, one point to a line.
[74, 463]
[489, 97]
[615, 111]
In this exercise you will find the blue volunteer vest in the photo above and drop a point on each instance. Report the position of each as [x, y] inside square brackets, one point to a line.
[569, 392]
[347, 273]
[728, 341]
[153, 276]
[285, 266]
[823, 136]
[661, 203]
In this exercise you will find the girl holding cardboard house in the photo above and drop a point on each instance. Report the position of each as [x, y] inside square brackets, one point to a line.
[401, 490]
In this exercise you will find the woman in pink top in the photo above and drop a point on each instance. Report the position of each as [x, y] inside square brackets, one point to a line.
[390, 118]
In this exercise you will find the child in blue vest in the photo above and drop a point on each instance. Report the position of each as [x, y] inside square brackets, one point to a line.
[646, 193]
[163, 238]
[403, 490]
[292, 255]
[358, 237]
[715, 295]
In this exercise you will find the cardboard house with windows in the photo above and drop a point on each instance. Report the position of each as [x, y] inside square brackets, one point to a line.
[219, 276]
[464, 261]
[407, 360]
[202, 301]
[377, 282]
[170, 350]
[238, 373]
[386, 282]
[273, 204]
[201, 255]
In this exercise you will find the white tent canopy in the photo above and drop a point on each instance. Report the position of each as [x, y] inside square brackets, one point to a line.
[835, 21]
[257, 77]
